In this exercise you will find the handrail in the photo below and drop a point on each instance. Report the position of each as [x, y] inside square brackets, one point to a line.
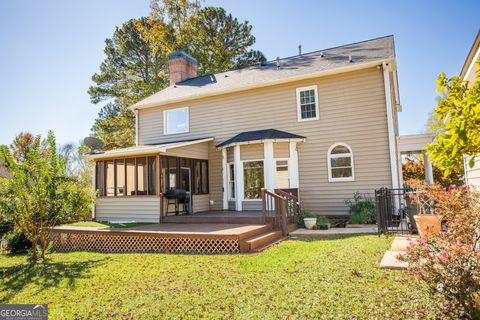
[281, 207]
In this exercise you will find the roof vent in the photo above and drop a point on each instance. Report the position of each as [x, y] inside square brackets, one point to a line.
[322, 55]
[350, 59]
[278, 62]
[299, 49]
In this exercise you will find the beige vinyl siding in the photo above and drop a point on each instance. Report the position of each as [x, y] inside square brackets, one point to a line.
[281, 150]
[252, 205]
[195, 151]
[230, 154]
[472, 175]
[200, 202]
[139, 209]
[352, 111]
[251, 151]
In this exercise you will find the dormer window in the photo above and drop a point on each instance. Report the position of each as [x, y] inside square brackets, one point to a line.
[175, 121]
[307, 103]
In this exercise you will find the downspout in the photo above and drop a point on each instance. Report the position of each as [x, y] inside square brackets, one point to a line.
[136, 126]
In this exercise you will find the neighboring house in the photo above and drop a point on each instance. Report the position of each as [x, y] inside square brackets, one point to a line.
[321, 124]
[469, 73]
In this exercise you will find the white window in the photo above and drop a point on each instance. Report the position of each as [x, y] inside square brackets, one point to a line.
[253, 179]
[307, 103]
[175, 121]
[281, 177]
[231, 181]
[340, 163]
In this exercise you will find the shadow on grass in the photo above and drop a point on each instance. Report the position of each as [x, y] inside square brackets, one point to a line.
[43, 275]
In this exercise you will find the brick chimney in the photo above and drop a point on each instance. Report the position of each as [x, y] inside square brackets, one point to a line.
[181, 67]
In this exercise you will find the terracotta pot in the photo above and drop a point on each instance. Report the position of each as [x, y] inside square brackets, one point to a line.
[428, 224]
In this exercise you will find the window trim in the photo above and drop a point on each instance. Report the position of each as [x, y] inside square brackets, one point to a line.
[299, 109]
[165, 120]
[329, 165]
[243, 165]
[229, 179]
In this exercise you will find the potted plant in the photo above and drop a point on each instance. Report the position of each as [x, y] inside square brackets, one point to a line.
[323, 223]
[425, 218]
[307, 220]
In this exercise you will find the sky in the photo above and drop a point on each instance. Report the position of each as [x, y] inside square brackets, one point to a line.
[50, 49]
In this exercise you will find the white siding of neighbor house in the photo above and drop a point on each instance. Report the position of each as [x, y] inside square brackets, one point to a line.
[352, 110]
[472, 175]
[140, 209]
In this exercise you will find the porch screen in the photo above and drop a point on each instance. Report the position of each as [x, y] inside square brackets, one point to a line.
[127, 177]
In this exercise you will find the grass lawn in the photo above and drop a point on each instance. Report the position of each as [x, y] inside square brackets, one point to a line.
[105, 224]
[332, 278]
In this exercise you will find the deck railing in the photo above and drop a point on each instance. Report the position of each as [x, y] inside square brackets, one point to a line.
[282, 208]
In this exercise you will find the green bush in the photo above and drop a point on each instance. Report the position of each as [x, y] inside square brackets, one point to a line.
[362, 209]
[15, 242]
[322, 221]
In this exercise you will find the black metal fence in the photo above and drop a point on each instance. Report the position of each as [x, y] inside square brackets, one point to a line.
[395, 210]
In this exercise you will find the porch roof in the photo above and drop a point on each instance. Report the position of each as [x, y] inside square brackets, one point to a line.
[260, 136]
[144, 149]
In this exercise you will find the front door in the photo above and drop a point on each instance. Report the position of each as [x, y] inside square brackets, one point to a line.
[186, 184]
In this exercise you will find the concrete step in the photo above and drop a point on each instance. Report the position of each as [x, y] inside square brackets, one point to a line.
[260, 240]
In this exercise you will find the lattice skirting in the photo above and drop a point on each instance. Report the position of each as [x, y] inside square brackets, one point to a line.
[111, 243]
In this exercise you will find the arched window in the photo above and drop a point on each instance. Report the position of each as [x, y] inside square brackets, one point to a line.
[340, 163]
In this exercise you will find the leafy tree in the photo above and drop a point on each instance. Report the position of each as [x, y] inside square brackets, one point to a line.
[129, 73]
[414, 168]
[216, 39]
[136, 65]
[39, 193]
[459, 110]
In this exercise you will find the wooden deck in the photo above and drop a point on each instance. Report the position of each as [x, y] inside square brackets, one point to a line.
[194, 238]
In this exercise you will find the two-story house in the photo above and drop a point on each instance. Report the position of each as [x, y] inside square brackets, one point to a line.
[322, 125]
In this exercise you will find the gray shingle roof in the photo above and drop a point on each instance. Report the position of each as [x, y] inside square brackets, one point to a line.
[267, 134]
[292, 67]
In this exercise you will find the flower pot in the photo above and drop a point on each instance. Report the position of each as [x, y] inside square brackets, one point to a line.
[428, 224]
[310, 222]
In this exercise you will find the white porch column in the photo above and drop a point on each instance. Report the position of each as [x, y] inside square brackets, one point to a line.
[225, 178]
[238, 168]
[293, 166]
[94, 177]
[428, 169]
[269, 166]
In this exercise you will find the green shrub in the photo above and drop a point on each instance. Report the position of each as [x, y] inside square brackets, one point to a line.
[322, 221]
[15, 242]
[362, 209]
